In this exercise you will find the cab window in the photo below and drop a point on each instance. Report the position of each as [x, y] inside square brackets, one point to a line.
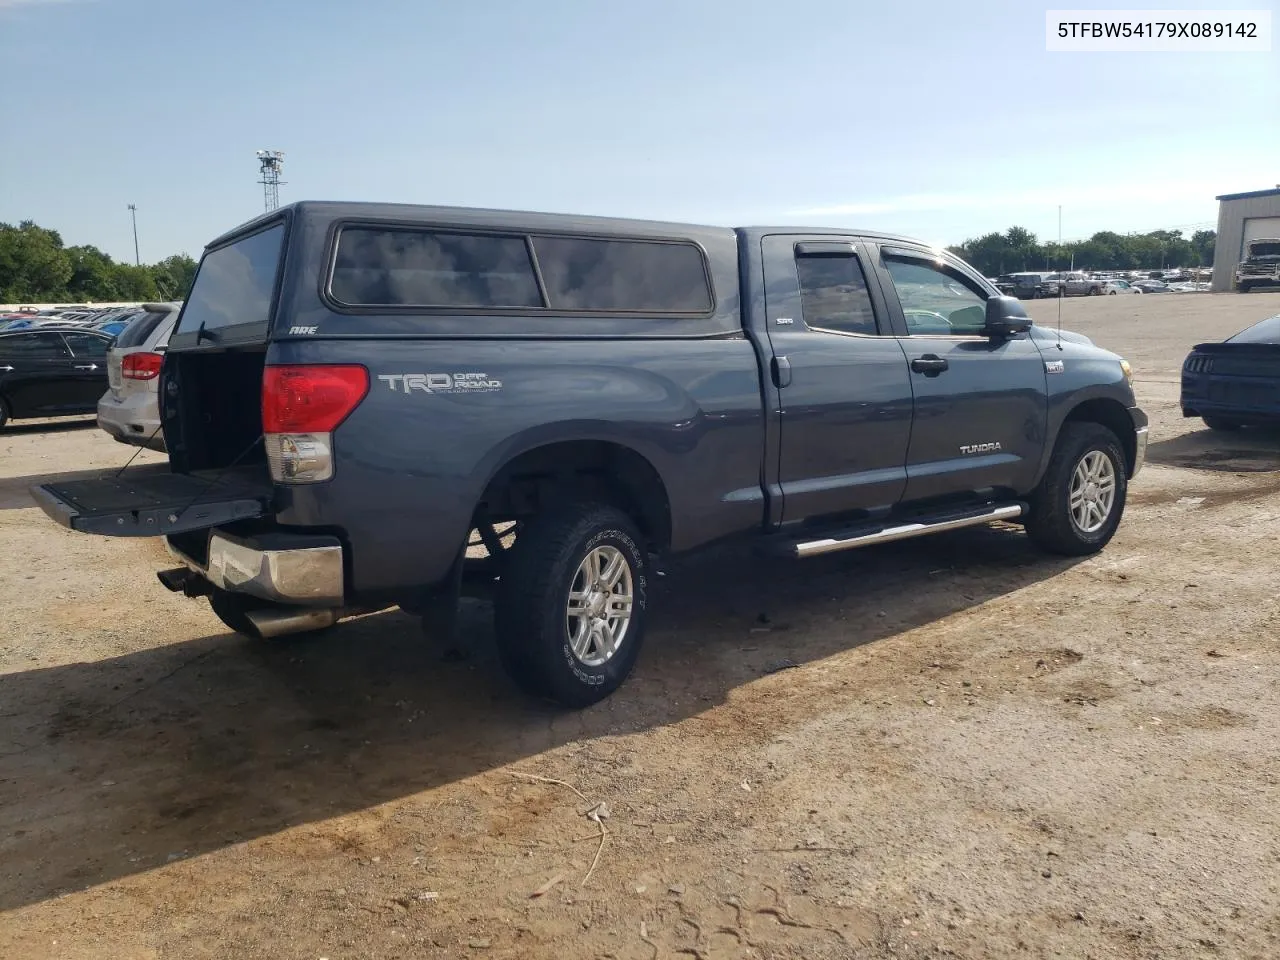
[833, 295]
[935, 301]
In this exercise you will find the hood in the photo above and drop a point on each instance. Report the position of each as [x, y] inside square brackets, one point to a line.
[1262, 250]
[1051, 335]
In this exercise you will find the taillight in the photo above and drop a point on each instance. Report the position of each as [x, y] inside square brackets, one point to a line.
[302, 404]
[141, 366]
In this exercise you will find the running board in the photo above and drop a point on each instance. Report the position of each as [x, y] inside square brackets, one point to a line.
[905, 531]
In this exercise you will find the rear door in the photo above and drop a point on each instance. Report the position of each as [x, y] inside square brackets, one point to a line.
[36, 376]
[980, 404]
[88, 378]
[842, 379]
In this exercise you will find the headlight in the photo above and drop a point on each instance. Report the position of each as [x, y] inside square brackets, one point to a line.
[1127, 370]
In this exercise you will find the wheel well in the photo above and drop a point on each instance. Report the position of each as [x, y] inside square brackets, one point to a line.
[582, 469]
[1112, 415]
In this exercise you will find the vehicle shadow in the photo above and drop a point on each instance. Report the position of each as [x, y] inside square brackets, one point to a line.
[111, 767]
[48, 426]
[1249, 450]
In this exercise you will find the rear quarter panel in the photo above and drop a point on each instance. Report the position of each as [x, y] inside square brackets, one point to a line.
[411, 466]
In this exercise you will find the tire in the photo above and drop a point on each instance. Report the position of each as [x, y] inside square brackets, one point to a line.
[1245, 287]
[550, 558]
[1222, 424]
[1112, 293]
[4, 413]
[1052, 524]
[1094, 291]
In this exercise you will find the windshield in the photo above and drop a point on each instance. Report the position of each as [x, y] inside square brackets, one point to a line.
[1265, 331]
[140, 328]
[1264, 248]
[234, 283]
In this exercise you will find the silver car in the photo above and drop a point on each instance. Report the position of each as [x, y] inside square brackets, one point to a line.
[129, 410]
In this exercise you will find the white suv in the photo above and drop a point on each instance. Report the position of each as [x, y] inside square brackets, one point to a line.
[129, 410]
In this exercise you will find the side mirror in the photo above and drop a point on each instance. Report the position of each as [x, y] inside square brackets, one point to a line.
[1005, 317]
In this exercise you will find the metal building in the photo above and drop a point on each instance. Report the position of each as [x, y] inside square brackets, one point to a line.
[1242, 217]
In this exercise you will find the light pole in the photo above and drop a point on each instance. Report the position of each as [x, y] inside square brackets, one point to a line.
[133, 212]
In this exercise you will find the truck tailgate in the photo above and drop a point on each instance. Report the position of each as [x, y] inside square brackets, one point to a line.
[151, 501]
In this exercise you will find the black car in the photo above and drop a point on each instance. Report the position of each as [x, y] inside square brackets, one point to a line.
[1236, 382]
[51, 372]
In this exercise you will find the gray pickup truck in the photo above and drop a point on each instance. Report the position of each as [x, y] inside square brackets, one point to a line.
[371, 405]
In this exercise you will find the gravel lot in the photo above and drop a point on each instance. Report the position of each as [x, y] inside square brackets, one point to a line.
[982, 752]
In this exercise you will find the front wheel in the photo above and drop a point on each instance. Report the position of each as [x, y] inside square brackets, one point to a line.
[1112, 293]
[1077, 507]
[570, 615]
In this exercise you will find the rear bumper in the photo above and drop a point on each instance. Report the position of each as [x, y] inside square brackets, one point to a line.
[299, 570]
[132, 419]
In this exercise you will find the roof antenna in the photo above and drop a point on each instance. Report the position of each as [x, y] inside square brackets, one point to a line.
[1062, 284]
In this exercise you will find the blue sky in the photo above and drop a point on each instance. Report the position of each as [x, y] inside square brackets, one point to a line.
[941, 120]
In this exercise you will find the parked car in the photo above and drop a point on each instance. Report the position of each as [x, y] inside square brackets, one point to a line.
[1077, 284]
[1151, 286]
[352, 389]
[1236, 382]
[1024, 286]
[1260, 266]
[129, 410]
[1115, 287]
[50, 372]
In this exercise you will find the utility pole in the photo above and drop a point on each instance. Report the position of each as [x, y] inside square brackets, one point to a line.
[133, 212]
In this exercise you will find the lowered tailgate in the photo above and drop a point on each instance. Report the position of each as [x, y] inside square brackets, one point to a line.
[151, 501]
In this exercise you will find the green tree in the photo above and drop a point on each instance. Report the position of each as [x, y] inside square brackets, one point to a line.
[33, 264]
[1203, 243]
[174, 275]
[93, 275]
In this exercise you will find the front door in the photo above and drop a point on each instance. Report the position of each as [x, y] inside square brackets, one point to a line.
[842, 378]
[980, 403]
[35, 373]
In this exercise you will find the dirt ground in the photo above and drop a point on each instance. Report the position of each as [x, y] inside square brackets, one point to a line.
[982, 752]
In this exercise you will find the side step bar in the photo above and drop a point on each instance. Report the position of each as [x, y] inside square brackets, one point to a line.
[865, 538]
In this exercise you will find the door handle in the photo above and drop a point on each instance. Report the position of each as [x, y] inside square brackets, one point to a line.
[780, 367]
[86, 366]
[930, 365]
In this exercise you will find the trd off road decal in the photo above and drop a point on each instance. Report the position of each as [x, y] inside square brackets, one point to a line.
[441, 382]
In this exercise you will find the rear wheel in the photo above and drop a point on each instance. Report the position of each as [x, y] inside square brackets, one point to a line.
[4, 413]
[1094, 291]
[570, 616]
[1221, 423]
[1078, 505]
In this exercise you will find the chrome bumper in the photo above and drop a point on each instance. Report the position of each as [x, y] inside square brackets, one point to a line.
[1139, 450]
[309, 576]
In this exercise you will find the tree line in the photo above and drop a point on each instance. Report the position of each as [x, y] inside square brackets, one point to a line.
[35, 267]
[1018, 249]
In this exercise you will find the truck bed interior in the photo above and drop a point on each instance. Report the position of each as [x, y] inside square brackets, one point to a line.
[212, 409]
